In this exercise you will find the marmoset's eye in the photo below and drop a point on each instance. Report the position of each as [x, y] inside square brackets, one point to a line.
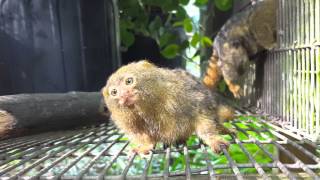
[113, 92]
[129, 81]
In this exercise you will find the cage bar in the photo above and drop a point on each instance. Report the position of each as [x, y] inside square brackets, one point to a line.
[291, 81]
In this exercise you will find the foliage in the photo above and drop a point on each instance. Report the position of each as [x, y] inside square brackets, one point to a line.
[223, 5]
[160, 19]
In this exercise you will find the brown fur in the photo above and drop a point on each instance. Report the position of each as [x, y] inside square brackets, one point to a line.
[244, 35]
[169, 105]
[225, 113]
[213, 73]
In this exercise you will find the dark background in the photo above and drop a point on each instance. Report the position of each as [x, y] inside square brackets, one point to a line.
[70, 45]
[56, 45]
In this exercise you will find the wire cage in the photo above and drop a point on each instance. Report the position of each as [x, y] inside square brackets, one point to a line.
[279, 141]
[285, 84]
[291, 84]
[102, 152]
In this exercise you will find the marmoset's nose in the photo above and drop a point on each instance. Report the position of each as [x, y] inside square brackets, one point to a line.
[126, 98]
[125, 94]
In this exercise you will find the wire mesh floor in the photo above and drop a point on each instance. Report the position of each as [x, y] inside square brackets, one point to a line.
[257, 150]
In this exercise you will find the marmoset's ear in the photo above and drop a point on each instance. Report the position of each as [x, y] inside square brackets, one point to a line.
[104, 92]
[146, 63]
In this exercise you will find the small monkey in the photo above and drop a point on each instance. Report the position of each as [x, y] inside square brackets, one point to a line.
[243, 36]
[152, 104]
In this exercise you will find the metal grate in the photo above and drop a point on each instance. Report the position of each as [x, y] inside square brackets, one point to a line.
[292, 71]
[104, 152]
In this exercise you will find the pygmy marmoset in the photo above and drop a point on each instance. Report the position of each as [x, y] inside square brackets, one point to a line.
[152, 104]
[243, 36]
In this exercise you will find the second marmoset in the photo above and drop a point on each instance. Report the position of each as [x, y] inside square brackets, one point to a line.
[152, 104]
[243, 36]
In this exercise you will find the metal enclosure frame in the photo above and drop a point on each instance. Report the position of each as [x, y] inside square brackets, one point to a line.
[291, 82]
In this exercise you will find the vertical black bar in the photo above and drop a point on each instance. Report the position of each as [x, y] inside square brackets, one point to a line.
[83, 47]
[2, 14]
[116, 32]
[61, 41]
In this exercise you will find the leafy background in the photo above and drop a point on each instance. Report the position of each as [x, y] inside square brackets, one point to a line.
[159, 18]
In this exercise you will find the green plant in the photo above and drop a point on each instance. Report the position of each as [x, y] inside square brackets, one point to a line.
[159, 20]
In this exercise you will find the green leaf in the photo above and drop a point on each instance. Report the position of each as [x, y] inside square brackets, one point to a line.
[126, 23]
[184, 45]
[127, 38]
[150, 2]
[201, 2]
[181, 13]
[195, 39]
[184, 2]
[241, 136]
[187, 25]
[242, 126]
[169, 5]
[206, 41]
[223, 5]
[141, 22]
[178, 23]
[154, 27]
[166, 38]
[170, 51]
[129, 8]
[155, 24]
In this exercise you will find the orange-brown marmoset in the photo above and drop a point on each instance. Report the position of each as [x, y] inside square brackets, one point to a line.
[152, 104]
[244, 35]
